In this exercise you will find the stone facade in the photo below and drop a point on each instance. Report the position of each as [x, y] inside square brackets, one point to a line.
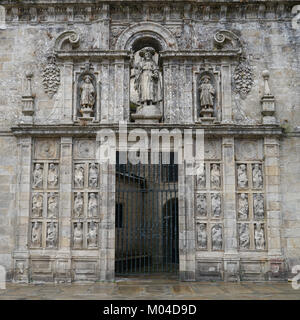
[69, 70]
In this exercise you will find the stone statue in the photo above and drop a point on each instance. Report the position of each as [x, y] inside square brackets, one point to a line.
[201, 176]
[259, 237]
[78, 235]
[207, 93]
[78, 205]
[52, 175]
[87, 93]
[216, 204]
[215, 176]
[147, 78]
[92, 235]
[257, 177]
[217, 240]
[36, 235]
[51, 235]
[37, 205]
[258, 206]
[37, 176]
[201, 204]
[93, 175]
[93, 206]
[202, 236]
[243, 206]
[52, 205]
[79, 176]
[244, 237]
[242, 176]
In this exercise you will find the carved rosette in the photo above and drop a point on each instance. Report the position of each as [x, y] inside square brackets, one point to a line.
[243, 79]
[51, 76]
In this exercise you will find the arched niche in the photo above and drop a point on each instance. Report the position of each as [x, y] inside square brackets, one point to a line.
[147, 32]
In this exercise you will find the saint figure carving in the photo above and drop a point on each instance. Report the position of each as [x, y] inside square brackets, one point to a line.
[52, 175]
[244, 236]
[257, 176]
[37, 204]
[202, 236]
[207, 93]
[147, 78]
[36, 235]
[259, 237]
[217, 237]
[78, 235]
[243, 206]
[87, 93]
[92, 235]
[51, 235]
[38, 176]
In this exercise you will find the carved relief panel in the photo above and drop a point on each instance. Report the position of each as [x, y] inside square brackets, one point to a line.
[208, 199]
[45, 194]
[250, 195]
[86, 195]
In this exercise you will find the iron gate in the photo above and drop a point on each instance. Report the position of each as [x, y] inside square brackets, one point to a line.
[146, 218]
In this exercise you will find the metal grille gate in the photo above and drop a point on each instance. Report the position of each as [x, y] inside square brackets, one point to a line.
[146, 218]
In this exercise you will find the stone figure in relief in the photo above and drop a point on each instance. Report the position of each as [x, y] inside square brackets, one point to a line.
[52, 205]
[51, 235]
[242, 176]
[37, 205]
[92, 235]
[217, 238]
[201, 177]
[257, 177]
[258, 206]
[259, 237]
[215, 176]
[93, 206]
[78, 235]
[244, 236]
[79, 176]
[243, 206]
[87, 93]
[216, 204]
[37, 176]
[201, 204]
[78, 205]
[147, 78]
[93, 175]
[207, 93]
[202, 236]
[52, 175]
[36, 235]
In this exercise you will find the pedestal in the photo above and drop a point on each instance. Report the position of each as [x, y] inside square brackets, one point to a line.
[147, 114]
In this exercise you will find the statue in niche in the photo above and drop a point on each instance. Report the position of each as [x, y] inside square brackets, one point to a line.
[207, 94]
[147, 78]
[258, 206]
[216, 204]
[78, 205]
[92, 235]
[217, 238]
[242, 176]
[51, 235]
[202, 236]
[38, 176]
[215, 176]
[93, 176]
[37, 205]
[52, 205]
[52, 175]
[201, 176]
[243, 206]
[93, 206]
[259, 237]
[201, 204]
[244, 237]
[257, 177]
[79, 175]
[78, 235]
[36, 235]
[87, 96]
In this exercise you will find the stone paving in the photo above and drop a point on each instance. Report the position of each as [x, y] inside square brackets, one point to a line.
[152, 289]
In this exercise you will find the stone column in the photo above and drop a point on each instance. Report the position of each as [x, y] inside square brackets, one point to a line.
[21, 252]
[119, 90]
[276, 262]
[231, 260]
[63, 262]
[67, 80]
[226, 94]
[186, 220]
[105, 98]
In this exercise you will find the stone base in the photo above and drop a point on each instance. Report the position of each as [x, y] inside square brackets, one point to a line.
[207, 120]
[147, 114]
[86, 119]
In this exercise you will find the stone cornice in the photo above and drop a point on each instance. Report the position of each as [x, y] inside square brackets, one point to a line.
[91, 130]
